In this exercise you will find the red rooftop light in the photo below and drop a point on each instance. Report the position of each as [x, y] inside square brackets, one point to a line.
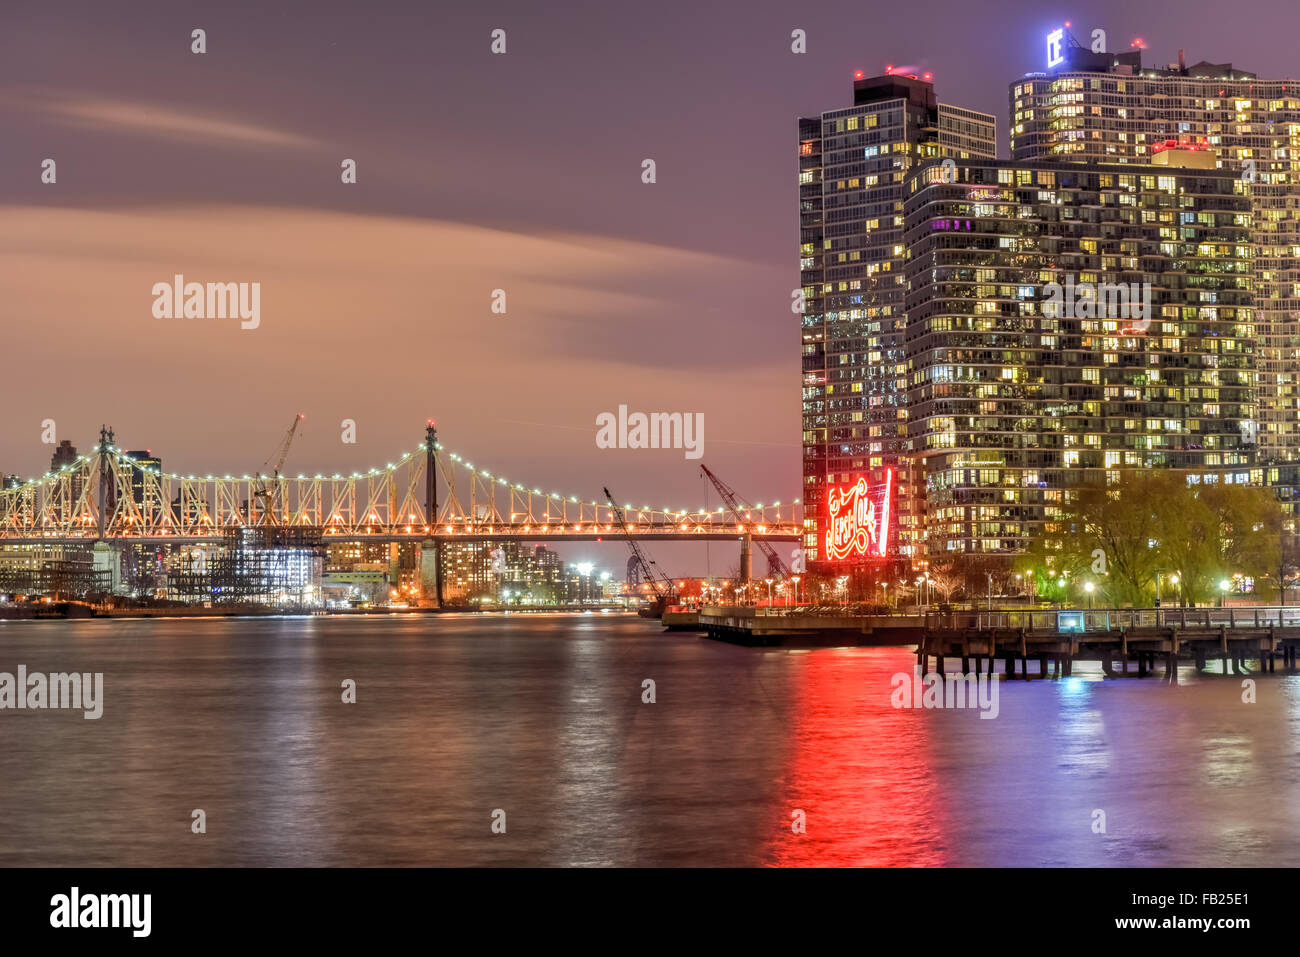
[1180, 144]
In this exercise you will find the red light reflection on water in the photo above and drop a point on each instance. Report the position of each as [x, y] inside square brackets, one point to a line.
[858, 768]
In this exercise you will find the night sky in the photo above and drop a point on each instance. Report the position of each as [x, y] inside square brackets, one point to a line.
[475, 172]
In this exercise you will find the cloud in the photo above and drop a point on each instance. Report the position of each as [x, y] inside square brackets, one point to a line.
[152, 120]
[386, 320]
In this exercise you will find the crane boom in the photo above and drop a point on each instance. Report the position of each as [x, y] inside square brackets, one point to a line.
[736, 503]
[264, 495]
[284, 446]
[648, 568]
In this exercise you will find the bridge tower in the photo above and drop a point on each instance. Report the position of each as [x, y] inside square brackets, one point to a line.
[105, 496]
[106, 556]
[431, 549]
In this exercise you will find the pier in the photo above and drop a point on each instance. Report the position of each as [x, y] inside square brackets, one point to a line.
[1128, 642]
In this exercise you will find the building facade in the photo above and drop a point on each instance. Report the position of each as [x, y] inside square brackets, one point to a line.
[853, 165]
[1109, 108]
[1068, 321]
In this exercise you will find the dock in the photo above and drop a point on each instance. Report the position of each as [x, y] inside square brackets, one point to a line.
[1128, 642]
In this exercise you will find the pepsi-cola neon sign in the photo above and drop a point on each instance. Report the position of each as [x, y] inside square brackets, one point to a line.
[857, 519]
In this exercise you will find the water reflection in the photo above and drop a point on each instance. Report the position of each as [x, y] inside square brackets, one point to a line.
[542, 717]
[857, 767]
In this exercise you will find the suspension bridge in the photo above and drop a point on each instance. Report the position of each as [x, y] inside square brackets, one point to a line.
[428, 492]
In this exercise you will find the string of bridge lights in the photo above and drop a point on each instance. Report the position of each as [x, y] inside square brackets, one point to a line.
[123, 459]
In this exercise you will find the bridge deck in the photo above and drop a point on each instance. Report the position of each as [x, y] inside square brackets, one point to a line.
[506, 533]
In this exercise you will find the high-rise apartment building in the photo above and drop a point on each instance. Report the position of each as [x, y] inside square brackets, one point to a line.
[853, 165]
[1109, 108]
[1068, 321]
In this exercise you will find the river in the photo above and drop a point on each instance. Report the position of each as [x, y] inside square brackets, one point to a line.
[541, 717]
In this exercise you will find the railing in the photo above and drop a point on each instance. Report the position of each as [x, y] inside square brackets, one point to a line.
[818, 610]
[1084, 620]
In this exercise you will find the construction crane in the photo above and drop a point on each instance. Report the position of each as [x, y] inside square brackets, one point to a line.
[734, 502]
[660, 583]
[266, 496]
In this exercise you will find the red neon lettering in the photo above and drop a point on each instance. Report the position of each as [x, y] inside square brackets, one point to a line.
[855, 525]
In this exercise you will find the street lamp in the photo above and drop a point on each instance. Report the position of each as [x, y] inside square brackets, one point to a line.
[769, 590]
[795, 579]
[1088, 586]
[1223, 587]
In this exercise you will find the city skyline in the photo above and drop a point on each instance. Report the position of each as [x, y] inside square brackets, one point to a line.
[369, 286]
[640, 436]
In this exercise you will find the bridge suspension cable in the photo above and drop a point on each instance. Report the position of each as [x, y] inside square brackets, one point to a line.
[138, 501]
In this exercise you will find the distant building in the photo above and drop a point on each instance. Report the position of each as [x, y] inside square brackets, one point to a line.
[143, 460]
[65, 454]
[358, 587]
[67, 495]
[514, 572]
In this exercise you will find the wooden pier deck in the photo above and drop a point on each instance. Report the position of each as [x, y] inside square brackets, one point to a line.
[1129, 642]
